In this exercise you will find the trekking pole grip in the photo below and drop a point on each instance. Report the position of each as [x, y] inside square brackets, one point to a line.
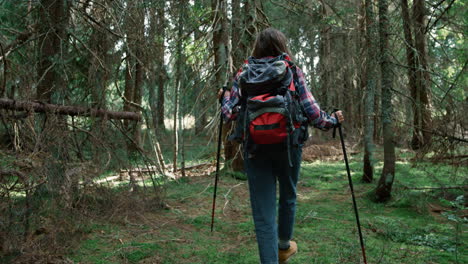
[337, 122]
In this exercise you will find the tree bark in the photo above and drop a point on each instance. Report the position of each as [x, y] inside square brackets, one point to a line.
[422, 113]
[161, 69]
[239, 49]
[201, 118]
[324, 54]
[220, 41]
[139, 77]
[410, 61]
[98, 74]
[362, 64]
[239, 54]
[178, 81]
[134, 26]
[384, 187]
[51, 87]
[371, 83]
[52, 26]
[129, 84]
[221, 63]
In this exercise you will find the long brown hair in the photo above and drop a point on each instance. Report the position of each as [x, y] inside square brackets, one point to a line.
[270, 42]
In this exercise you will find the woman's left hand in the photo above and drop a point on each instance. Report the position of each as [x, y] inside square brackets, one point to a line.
[226, 93]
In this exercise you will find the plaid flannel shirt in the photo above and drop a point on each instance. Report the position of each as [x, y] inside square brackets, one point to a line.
[317, 118]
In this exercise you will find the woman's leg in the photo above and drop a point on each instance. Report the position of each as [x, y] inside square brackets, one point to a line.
[262, 187]
[287, 201]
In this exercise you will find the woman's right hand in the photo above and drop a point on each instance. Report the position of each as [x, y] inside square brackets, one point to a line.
[339, 115]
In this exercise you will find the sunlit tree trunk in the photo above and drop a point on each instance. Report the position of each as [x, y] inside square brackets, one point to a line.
[384, 187]
[371, 83]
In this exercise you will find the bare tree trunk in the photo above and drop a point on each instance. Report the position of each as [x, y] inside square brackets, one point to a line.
[362, 63]
[422, 115]
[182, 139]
[384, 187]
[175, 134]
[221, 63]
[98, 74]
[253, 22]
[138, 88]
[201, 118]
[312, 38]
[51, 87]
[98, 78]
[129, 84]
[134, 27]
[410, 60]
[232, 150]
[371, 83]
[139, 54]
[52, 25]
[239, 50]
[156, 65]
[129, 26]
[161, 69]
[348, 93]
[178, 81]
[66, 110]
[220, 41]
[325, 54]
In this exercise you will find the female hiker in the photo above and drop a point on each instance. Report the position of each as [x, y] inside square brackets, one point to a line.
[270, 161]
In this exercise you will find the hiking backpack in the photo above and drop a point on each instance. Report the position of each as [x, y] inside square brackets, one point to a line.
[270, 107]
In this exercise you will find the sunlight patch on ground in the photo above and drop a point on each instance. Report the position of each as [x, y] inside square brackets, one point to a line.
[188, 122]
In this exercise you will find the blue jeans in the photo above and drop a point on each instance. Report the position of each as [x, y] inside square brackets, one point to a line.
[263, 170]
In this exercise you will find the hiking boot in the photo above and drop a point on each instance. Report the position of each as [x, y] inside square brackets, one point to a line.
[285, 254]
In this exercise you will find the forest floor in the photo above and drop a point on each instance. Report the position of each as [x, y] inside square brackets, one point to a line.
[417, 226]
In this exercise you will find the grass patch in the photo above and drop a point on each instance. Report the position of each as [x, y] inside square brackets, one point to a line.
[403, 230]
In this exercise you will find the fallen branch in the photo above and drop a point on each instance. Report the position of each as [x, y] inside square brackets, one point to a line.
[154, 169]
[463, 187]
[449, 157]
[10, 173]
[66, 110]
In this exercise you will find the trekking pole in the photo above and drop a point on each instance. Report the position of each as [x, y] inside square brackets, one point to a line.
[218, 154]
[338, 125]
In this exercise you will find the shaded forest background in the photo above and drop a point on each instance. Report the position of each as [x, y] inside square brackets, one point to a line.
[90, 88]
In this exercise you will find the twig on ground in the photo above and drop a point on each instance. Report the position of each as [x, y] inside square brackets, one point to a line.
[226, 195]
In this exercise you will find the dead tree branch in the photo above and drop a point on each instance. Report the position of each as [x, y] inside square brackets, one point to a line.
[66, 110]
